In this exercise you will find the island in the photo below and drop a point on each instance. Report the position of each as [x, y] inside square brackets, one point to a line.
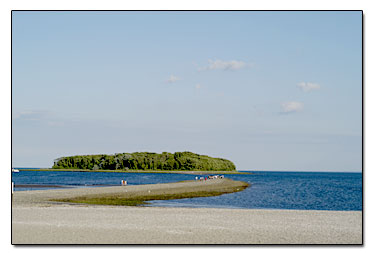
[145, 161]
[124, 214]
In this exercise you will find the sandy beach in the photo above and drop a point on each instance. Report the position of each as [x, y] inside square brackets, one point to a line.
[36, 220]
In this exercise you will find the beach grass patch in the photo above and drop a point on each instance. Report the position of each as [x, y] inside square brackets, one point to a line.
[141, 198]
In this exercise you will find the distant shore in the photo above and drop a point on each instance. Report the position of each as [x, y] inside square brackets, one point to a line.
[194, 172]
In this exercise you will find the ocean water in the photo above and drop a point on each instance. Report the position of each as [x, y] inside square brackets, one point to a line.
[268, 190]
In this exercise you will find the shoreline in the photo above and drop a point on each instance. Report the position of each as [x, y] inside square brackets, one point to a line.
[171, 206]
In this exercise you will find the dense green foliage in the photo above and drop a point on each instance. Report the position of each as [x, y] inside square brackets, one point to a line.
[145, 161]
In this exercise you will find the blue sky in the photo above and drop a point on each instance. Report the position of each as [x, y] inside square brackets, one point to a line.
[267, 90]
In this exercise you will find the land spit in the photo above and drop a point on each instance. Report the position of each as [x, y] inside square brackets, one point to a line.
[38, 220]
[115, 195]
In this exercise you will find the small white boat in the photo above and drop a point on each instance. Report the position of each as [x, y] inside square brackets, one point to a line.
[15, 170]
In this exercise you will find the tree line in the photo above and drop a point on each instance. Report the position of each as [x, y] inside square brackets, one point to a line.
[145, 161]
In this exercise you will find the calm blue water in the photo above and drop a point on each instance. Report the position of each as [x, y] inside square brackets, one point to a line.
[269, 190]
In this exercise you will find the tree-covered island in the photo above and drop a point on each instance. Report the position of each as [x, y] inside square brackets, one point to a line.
[179, 161]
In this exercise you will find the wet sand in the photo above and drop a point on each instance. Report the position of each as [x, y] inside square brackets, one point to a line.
[35, 220]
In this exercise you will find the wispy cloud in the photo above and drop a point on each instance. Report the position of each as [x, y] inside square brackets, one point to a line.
[173, 79]
[308, 86]
[224, 65]
[292, 106]
[31, 115]
[41, 117]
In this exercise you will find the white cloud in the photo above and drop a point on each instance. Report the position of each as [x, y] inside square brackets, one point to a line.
[308, 86]
[292, 106]
[173, 79]
[224, 65]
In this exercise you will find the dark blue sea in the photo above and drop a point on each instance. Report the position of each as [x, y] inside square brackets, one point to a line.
[268, 190]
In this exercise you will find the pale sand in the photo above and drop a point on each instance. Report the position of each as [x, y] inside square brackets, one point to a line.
[36, 221]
